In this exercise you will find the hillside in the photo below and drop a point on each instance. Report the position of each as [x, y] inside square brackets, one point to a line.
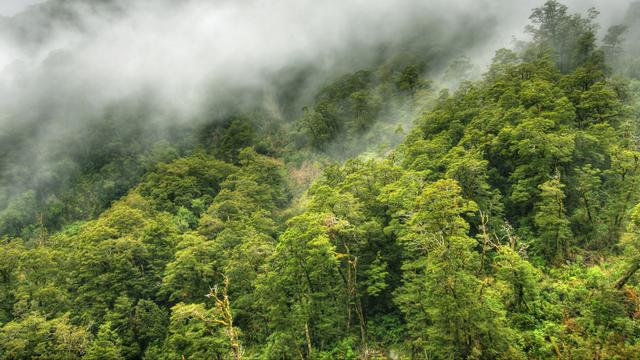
[410, 209]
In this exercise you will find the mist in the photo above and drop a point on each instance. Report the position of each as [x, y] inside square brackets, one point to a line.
[183, 52]
[65, 65]
[187, 54]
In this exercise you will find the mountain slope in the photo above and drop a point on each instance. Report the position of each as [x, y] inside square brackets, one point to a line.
[505, 224]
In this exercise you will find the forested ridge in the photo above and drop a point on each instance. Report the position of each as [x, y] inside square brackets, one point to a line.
[497, 219]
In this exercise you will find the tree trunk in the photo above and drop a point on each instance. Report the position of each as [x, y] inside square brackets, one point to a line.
[625, 278]
[308, 337]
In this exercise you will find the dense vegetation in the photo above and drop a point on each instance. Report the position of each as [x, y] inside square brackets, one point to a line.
[505, 225]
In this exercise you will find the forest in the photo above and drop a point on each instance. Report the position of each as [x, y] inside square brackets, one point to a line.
[416, 208]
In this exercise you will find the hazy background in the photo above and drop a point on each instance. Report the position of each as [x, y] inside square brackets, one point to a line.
[110, 49]
[105, 50]
[12, 7]
[69, 66]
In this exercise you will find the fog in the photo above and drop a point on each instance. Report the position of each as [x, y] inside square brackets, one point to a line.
[12, 7]
[179, 51]
[64, 62]
[182, 51]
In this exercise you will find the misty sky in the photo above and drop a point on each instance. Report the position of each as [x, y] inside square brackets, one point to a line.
[179, 49]
[12, 7]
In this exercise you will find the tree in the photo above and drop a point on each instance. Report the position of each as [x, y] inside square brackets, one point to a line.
[631, 246]
[149, 324]
[409, 79]
[195, 334]
[33, 336]
[107, 345]
[43, 283]
[224, 316]
[300, 290]
[185, 182]
[241, 226]
[196, 266]
[613, 43]
[523, 279]
[238, 135]
[10, 252]
[552, 223]
[571, 37]
[450, 312]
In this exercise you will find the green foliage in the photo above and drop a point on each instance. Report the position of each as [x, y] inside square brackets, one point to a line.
[34, 337]
[194, 334]
[305, 263]
[571, 37]
[238, 135]
[505, 225]
[440, 287]
[193, 270]
[551, 221]
[350, 106]
[189, 183]
[106, 345]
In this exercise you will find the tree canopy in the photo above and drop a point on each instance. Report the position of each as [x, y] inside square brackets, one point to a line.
[505, 224]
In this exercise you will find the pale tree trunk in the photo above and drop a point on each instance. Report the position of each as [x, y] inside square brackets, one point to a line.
[308, 338]
[223, 306]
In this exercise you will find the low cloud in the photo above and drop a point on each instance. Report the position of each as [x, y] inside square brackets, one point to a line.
[65, 62]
